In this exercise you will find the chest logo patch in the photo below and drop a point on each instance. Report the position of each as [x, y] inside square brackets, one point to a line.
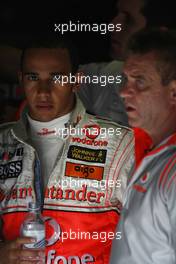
[10, 170]
[87, 154]
[92, 131]
[84, 171]
[144, 178]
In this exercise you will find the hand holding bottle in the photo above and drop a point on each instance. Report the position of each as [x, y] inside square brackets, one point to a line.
[33, 226]
[12, 252]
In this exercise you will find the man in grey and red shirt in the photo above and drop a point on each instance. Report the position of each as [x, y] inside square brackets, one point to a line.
[148, 220]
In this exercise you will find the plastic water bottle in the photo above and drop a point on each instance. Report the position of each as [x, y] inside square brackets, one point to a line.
[33, 226]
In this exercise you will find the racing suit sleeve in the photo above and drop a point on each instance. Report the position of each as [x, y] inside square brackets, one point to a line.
[170, 199]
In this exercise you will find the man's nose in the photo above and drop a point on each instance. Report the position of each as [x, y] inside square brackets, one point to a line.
[127, 90]
[44, 87]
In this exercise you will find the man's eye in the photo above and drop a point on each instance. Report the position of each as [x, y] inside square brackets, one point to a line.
[140, 83]
[56, 77]
[32, 77]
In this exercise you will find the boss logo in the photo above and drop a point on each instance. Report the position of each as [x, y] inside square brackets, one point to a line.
[10, 170]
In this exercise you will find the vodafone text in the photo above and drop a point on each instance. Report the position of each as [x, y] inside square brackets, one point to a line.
[52, 258]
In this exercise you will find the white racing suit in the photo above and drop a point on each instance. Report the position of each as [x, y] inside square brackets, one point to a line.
[84, 191]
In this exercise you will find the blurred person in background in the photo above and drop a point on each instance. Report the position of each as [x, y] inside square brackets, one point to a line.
[134, 15]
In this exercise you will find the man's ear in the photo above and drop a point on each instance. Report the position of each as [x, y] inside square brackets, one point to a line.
[172, 88]
[77, 84]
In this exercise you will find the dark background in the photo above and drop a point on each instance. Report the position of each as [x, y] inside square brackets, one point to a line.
[20, 21]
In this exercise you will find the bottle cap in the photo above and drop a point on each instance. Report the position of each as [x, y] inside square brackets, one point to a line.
[34, 206]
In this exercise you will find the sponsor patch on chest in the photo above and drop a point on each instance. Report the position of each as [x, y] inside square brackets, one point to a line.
[87, 154]
[11, 163]
[84, 171]
[10, 170]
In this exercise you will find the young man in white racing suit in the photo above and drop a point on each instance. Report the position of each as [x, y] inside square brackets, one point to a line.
[74, 164]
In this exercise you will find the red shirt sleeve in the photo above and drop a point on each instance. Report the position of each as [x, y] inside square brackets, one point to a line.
[143, 144]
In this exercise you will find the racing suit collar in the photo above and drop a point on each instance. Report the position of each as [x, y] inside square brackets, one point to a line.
[78, 113]
[21, 127]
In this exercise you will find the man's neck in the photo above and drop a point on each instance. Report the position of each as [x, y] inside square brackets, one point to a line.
[50, 129]
[160, 136]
